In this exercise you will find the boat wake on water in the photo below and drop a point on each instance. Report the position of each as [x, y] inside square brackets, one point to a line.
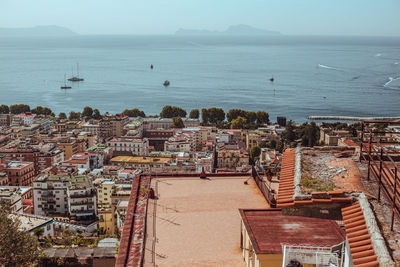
[328, 67]
[390, 84]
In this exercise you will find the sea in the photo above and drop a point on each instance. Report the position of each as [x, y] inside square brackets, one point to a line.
[313, 75]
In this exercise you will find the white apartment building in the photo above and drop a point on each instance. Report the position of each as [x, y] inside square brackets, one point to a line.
[67, 195]
[129, 146]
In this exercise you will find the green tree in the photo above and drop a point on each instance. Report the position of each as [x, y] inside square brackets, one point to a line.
[171, 112]
[39, 110]
[87, 113]
[134, 113]
[310, 135]
[204, 115]
[238, 123]
[272, 144]
[254, 153]
[17, 248]
[74, 115]
[289, 134]
[215, 115]
[96, 114]
[177, 122]
[234, 113]
[62, 116]
[194, 114]
[38, 232]
[19, 108]
[4, 109]
[262, 117]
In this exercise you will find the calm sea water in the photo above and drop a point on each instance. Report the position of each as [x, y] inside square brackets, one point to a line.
[313, 75]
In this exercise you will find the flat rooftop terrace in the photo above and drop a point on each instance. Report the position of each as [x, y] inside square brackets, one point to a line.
[196, 222]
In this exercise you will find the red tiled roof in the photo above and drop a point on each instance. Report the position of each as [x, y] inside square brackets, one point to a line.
[76, 161]
[361, 248]
[286, 187]
[132, 239]
[286, 181]
[270, 229]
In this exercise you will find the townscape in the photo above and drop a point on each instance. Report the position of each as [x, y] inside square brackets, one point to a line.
[207, 189]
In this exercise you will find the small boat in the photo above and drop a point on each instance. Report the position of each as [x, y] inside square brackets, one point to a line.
[166, 83]
[76, 78]
[65, 86]
[151, 66]
[271, 79]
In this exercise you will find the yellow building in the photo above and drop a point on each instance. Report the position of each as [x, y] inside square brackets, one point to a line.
[105, 214]
[271, 239]
[106, 222]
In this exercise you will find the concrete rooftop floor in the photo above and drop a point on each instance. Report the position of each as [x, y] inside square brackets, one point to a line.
[196, 222]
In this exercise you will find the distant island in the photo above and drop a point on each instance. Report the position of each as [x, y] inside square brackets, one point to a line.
[235, 30]
[50, 30]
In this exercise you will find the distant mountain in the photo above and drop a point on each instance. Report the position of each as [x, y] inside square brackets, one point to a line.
[235, 30]
[50, 30]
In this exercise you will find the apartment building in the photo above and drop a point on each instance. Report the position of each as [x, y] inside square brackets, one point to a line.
[128, 146]
[11, 198]
[20, 173]
[65, 195]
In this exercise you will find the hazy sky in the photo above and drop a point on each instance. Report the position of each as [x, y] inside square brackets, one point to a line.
[333, 17]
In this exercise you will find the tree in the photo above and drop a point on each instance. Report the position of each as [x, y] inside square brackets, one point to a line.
[234, 113]
[171, 112]
[204, 115]
[215, 115]
[177, 122]
[134, 113]
[255, 152]
[19, 108]
[38, 232]
[289, 135]
[262, 117]
[17, 248]
[62, 116]
[4, 109]
[194, 114]
[74, 115]
[238, 123]
[39, 110]
[272, 144]
[310, 135]
[96, 114]
[87, 113]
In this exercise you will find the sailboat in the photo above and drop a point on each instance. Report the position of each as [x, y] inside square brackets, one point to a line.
[65, 86]
[76, 78]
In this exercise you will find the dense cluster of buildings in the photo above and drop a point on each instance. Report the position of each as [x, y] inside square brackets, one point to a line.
[79, 172]
[87, 176]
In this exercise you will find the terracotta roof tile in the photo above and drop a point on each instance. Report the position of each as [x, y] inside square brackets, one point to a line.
[286, 187]
[359, 238]
[286, 181]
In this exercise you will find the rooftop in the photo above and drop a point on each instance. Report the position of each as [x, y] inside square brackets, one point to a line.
[30, 222]
[18, 164]
[140, 159]
[269, 230]
[199, 225]
[73, 181]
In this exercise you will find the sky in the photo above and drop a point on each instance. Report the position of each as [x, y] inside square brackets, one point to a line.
[292, 17]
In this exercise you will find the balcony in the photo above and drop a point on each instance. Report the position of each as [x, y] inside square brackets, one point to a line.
[47, 196]
[82, 203]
